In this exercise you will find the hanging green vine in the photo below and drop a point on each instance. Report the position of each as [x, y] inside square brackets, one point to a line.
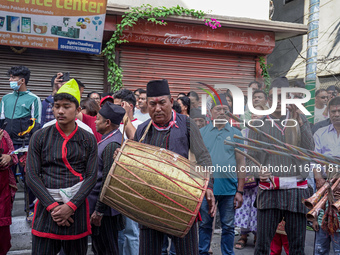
[265, 67]
[151, 14]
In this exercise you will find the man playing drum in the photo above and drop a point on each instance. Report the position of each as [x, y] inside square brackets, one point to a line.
[176, 133]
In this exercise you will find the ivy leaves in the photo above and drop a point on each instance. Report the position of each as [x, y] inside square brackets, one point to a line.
[129, 19]
[265, 67]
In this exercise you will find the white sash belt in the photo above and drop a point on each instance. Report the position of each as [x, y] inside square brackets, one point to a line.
[65, 194]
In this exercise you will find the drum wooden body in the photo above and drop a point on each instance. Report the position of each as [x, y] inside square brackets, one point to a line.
[155, 187]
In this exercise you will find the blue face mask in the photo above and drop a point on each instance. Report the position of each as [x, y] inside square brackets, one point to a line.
[14, 85]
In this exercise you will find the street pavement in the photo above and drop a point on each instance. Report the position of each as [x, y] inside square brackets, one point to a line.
[21, 236]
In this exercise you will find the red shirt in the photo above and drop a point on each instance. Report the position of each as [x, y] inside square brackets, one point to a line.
[89, 120]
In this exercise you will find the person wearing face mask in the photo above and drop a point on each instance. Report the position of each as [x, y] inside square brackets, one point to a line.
[21, 109]
[20, 106]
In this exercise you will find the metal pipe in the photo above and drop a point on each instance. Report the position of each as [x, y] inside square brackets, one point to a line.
[312, 54]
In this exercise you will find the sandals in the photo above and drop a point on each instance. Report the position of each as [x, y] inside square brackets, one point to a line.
[242, 242]
[29, 218]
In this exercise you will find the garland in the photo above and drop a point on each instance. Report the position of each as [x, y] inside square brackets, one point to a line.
[131, 17]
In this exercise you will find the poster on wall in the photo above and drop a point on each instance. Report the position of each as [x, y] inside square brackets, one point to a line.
[70, 25]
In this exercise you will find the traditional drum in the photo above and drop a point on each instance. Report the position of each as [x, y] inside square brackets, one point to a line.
[155, 187]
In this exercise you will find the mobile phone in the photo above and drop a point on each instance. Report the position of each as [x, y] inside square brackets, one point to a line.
[25, 25]
[66, 76]
[4, 126]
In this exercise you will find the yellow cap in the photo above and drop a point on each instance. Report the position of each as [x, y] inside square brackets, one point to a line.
[71, 87]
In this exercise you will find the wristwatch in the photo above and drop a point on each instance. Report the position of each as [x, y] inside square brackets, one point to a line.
[99, 214]
[241, 192]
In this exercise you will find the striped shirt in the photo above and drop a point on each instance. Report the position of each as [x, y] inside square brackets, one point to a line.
[107, 164]
[57, 161]
[287, 199]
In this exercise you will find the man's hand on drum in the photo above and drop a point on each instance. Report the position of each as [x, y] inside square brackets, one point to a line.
[96, 219]
[209, 195]
[116, 153]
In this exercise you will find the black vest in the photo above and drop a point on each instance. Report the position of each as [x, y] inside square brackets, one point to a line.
[179, 139]
[94, 195]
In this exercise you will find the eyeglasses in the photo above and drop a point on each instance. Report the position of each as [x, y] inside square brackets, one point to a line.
[96, 98]
[324, 97]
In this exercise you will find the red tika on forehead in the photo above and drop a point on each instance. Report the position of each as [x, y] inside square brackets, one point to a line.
[334, 107]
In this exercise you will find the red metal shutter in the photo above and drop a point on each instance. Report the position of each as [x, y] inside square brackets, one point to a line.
[183, 68]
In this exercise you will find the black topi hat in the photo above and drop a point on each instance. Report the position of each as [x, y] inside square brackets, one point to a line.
[113, 112]
[157, 88]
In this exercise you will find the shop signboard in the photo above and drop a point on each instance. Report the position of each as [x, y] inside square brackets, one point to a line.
[70, 25]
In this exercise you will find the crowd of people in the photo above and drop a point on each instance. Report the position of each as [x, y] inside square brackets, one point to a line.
[72, 144]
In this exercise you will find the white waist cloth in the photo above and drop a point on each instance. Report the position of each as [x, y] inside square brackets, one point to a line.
[66, 194]
[285, 183]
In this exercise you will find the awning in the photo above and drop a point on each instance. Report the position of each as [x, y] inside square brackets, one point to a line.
[282, 30]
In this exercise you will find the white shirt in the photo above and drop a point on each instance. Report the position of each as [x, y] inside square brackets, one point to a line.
[318, 116]
[141, 116]
[327, 141]
[80, 124]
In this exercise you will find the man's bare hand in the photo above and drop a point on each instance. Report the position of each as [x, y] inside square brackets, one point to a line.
[264, 174]
[96, 219]
[116, 153]
[58, 81]
[61, 214]
[5, 160]
[209, 195]
[66, 223]
[295, 113]
[126, 107]
[238, 200]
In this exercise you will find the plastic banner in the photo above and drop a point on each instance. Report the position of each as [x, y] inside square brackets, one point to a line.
[71, 25]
